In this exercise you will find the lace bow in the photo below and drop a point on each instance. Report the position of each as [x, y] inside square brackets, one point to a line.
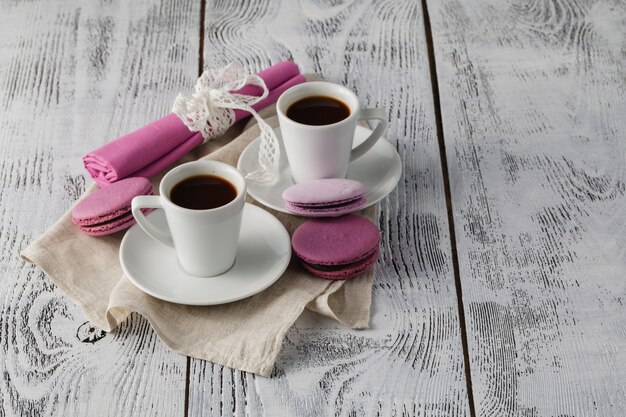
[211, 111]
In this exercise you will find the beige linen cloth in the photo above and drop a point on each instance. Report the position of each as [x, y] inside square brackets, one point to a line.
[245, 335]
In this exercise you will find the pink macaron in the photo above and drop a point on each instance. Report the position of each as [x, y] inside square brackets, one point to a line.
[337, 248]
[325, 198]
[107, 210]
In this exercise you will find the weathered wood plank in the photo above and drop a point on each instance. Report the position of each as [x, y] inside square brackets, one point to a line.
[533, 104]
[73, 76]
[410, 362]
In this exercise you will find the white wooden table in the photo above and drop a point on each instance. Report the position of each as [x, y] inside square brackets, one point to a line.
[501, 287]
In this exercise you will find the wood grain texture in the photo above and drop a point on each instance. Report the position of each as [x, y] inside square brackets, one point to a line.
[533, 104]
[409, 363]
[73, 76]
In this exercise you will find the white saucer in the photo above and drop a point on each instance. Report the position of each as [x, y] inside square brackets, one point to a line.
[263, 255]
[379, 170]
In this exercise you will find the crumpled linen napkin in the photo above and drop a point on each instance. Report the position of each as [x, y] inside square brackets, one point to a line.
[246, 335]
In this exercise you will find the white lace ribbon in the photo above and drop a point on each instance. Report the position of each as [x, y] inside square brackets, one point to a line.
[211, 111]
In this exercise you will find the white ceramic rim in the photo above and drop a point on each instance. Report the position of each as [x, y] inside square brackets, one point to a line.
[190, 169]
[317, 88]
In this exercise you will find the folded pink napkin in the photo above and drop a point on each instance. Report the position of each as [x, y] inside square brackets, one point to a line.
[155, 147]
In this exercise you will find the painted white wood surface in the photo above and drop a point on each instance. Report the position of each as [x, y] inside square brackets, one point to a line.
[72, 76]
[410, 362]
[532, 104]
[533, 98]
[76, 75]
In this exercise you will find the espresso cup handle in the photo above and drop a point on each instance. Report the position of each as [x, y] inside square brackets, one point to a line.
[150, 201]
[369, 114]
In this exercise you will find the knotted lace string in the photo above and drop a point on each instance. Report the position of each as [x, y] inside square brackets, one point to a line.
[211, 111]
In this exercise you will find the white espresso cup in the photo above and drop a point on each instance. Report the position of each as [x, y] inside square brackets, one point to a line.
[205, 240]
[324, 151]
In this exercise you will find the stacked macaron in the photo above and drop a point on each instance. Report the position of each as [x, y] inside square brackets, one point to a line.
[325, 198]
[336, 244]
[107, 210]
[337, 248]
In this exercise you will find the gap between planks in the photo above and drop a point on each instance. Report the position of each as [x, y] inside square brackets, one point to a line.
[201, 34]
[446, 185]
[200, 69]
[187, 383]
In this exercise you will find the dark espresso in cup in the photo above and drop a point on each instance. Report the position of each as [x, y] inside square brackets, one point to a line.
[202, 192]
[318, 111]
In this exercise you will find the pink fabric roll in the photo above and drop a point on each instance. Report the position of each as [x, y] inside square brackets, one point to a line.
[156, 146]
